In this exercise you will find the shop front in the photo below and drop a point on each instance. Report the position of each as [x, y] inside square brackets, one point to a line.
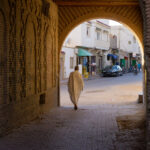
[84, 59]
[113, 57]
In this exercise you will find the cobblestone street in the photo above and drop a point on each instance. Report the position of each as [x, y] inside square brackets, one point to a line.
[94, 126]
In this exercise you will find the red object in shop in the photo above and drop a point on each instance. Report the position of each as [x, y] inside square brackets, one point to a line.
[126, 58]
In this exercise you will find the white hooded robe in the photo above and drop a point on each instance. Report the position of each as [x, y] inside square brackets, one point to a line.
[75, 86]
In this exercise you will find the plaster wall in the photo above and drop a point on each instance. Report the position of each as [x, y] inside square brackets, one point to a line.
[125, 40]
[104, 41]
[79, 37]
[69, 53]
[74, 38]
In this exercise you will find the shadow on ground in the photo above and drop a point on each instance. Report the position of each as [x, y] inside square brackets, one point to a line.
[131, 134]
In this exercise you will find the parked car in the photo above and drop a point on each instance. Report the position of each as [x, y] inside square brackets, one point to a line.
[112, 71]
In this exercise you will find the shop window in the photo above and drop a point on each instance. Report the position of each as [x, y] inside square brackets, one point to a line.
[71, 62]
[108, 57]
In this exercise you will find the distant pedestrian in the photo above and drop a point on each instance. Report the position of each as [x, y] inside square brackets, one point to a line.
[139, 67]
[135, 69]
[75, 86]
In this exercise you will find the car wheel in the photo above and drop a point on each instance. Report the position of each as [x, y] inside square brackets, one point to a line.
[117, 74]
[103, 75]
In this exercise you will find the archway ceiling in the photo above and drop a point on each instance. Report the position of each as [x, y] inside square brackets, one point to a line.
[73, 12]
[95, 2]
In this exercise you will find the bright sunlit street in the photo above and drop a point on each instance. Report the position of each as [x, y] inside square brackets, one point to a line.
[106, 90]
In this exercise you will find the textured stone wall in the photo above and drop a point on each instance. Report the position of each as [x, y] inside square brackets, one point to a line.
[3, 59]
[145, 9]
[29, 51]
[28, 60]
[71, 16]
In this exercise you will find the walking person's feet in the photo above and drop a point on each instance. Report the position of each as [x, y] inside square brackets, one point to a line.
[75, 107]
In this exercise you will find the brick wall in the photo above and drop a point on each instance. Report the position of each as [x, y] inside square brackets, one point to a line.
[145, 10]
[28, 60]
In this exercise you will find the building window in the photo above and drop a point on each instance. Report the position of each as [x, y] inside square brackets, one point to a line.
[88, 31]
[98, 35]
[129, 42]
[114, 36]
[71, 62]
[134, 39]
[105, 35]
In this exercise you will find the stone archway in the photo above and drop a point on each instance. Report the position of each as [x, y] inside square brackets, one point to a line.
[57, 17]
[132, 13]
[71, 15]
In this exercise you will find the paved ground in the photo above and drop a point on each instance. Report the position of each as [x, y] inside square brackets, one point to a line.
[104, 121]
[109, 90]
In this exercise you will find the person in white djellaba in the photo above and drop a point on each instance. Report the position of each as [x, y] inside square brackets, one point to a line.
[75, 86]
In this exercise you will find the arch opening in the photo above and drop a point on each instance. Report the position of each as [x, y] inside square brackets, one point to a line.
[137, 34]
[101, 92]
[78, 44]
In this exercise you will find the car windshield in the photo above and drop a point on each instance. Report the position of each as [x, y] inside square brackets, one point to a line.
[115, 67]
[108, 67]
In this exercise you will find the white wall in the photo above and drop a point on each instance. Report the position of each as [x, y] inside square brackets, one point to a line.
[105, 61]
[105, 21]
[79, 37]
[125, 40]
[69, 52]
[87, 41]
[74, 38]
[104, 41]
[91, 41]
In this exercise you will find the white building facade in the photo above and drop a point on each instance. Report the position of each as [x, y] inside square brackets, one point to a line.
[67, 61]
[90, 44]
[93, 37]
[126, 45]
